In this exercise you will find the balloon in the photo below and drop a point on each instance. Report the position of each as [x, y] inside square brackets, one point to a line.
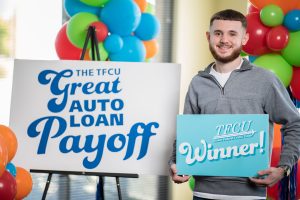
[11, 169]
[291, 51]
[252, 9]
[8, 186]
[24, 183]
[192, 183]
[150, 9]
[113, 43]
[65, 50]
[142, 4]
[272, 192]
[252, 58]
[276, 64]
[10, 141]
[292, 20]
[103, 53]
[285, 5]
[148, 28]
[132, 51]
[243, 54]
[96, 3]
[295, 83]
[78, 26]
[121, 17]
[3, 154]
[257, 43]
[73, 7]
[277, 38]
[101, 30]
[151, 47]
[277, 139]
[271, 15]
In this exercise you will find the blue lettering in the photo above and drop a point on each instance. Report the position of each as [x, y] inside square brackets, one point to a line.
[146, 134]
[43, 78]
[46, 130]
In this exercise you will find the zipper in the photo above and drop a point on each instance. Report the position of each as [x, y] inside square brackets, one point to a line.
[218, 84]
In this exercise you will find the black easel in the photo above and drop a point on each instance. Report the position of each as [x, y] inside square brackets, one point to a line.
[99, 174]
[90, 36]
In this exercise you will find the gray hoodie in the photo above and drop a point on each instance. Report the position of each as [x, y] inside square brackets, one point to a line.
[249, 90]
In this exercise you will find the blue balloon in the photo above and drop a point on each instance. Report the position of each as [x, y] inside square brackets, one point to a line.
[148, 28]
[292, 20]
[133, 51]
[11, 169]
[252, 58]
[73, 7]
[113, 43]
[121, 16]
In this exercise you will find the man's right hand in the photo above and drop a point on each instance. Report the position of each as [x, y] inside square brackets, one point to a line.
[176, 178]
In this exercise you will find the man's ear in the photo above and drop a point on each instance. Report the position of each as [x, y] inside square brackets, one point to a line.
[208, 35]
[245, 39]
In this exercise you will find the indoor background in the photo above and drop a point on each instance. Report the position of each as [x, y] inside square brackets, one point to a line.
[28, 30]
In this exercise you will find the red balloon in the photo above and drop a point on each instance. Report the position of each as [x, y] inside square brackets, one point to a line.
[101, 30]
[65, 50]
[273, 192]
[257, 43]
[252, 9]
[295, 83]
[285, 5]
[277, 38]
[8, 186]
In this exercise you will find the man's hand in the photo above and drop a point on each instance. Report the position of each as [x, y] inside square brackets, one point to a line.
[176, 178]
[272, 176]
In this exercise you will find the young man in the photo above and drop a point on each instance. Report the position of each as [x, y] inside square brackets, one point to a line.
[232, 85]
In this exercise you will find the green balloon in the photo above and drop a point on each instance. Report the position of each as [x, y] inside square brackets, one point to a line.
[276, 64]
[292, 50]
[192, 183]
[102, 51]
[96, 3]
[78, 26]
[150, 9]
[243, 54]
[271, 15]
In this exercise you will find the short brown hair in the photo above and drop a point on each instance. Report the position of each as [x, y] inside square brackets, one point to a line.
[231, 15]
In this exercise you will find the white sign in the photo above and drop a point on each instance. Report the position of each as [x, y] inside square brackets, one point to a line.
[114, 117]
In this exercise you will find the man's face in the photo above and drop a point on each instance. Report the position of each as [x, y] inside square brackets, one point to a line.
[226, 39]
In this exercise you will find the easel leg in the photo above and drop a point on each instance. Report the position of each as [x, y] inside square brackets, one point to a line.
[100, 189]
[119, 188]
[47, 186]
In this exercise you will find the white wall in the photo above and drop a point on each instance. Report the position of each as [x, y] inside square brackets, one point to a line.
[37, 23]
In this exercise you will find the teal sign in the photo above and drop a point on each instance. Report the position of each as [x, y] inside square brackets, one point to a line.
[222, 145]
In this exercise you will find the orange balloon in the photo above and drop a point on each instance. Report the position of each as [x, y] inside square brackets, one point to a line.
[24, 183]
[3, 155]
[151, 47]
[10, 140]
[142, 4]
[277, 136]
[87, 55]
[286, 5]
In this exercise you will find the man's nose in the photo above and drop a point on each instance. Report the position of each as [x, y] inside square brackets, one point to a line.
[224, 39]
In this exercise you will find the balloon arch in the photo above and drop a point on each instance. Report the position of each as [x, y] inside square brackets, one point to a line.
[126, 30]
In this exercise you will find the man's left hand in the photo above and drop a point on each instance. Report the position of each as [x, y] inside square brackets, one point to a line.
[272, 176]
